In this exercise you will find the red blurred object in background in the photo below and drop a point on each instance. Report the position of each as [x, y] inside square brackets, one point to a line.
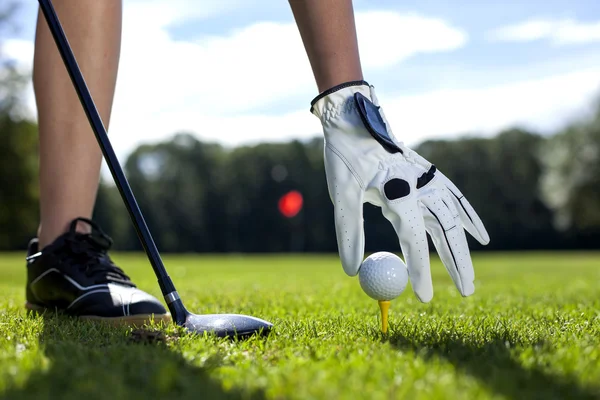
[291, 203]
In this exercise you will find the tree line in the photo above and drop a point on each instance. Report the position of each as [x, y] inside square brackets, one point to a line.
[532, 192]
[202, 197]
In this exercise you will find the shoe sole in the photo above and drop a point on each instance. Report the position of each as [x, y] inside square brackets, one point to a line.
[137, 320]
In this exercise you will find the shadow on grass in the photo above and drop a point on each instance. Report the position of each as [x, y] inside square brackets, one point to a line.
[493, 365]
[94, 361]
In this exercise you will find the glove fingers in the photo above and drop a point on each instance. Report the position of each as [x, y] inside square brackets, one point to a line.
[470, 220]
[347, 197]
[408, 223]
[450, 242]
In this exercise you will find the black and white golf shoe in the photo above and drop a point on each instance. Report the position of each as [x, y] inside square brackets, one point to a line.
[75, 275]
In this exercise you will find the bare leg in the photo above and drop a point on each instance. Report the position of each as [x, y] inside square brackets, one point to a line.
[329, 36]
[70, 158]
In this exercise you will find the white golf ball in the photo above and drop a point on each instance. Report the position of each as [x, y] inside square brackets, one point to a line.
[383, 276]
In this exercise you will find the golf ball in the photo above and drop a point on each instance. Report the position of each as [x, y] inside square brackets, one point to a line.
[383, 276]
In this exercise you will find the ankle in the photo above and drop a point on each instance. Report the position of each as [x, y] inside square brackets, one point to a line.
[47, 233]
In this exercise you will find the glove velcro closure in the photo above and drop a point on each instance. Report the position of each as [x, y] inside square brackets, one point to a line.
[374, 122]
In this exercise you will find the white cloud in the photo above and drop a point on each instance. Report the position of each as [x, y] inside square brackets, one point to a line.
[213, 85]
[557, 31]
[543, 104]
[20, 50]
[387, 38]
[253, 66]
[163, 12]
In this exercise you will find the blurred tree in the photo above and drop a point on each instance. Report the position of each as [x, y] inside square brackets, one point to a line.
[527, 221]
[18, 151]
[571, 182]
[177, 185]
[111, 214]
[19, 195]
[259, 176]
[201, 197]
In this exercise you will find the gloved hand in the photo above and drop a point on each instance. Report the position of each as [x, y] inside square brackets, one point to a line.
[364, 162]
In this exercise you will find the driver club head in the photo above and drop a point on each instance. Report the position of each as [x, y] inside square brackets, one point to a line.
[222, 325]
[226, 325]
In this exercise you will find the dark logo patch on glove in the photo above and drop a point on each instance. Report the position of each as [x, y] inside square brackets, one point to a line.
[396, 188]
[371, 117]
[426, 177]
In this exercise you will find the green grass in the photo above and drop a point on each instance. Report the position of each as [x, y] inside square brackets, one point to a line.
[531, 331]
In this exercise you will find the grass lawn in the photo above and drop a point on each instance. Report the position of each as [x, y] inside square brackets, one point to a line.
[531, 331]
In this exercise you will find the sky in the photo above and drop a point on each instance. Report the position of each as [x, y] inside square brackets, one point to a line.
[235, 71]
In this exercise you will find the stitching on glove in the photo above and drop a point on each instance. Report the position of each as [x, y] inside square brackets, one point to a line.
[335, 111]
[446, 204]
[461, 204]
[348, 165]
[449, 247]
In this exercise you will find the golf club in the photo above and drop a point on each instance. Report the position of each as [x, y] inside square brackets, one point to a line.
[222, 325]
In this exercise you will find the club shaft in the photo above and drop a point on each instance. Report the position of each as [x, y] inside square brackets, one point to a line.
[97, 125]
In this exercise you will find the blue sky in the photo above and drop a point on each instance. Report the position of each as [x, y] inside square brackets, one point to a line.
[235, 71]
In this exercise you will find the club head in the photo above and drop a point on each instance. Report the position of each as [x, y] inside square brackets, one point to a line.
[227, 325]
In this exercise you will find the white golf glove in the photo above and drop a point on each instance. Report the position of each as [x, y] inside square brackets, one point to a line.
[364, 162]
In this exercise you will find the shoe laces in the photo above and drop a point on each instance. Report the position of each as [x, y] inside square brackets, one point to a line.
[88, 252]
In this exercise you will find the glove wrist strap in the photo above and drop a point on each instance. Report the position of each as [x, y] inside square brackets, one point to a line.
[335, 89]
